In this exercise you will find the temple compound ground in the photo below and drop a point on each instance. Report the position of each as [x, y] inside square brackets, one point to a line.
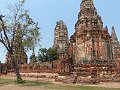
[7, 82]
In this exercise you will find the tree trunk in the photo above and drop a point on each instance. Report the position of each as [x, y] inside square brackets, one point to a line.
[15, 67]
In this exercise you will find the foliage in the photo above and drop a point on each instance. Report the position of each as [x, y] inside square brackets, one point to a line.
[33, 58]
[52, 54]
[19, 19]
[47, 54]
[18, 16]
[42, 55]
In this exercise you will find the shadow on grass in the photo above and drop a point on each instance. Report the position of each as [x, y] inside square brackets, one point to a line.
[4, 81]
[35, 83]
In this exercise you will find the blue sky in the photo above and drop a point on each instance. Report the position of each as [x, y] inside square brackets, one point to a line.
[47, 12]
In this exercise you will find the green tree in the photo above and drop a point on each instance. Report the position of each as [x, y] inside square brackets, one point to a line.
[42, 55]
[45, 55]
[19, 17]
[33, 58]
[52, 54]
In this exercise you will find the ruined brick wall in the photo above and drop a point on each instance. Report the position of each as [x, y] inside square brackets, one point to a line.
[61, 66]
[117, 56]
[41, 67]
[65, 66]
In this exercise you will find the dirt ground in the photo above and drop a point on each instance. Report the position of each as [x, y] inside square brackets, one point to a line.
[14, 87]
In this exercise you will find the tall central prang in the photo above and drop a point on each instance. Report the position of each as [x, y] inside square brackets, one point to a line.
[91, 42]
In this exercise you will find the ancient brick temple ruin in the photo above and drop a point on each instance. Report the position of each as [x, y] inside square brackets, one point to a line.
[61, 37]
[91, 54]
[115, 47]
[18, 50]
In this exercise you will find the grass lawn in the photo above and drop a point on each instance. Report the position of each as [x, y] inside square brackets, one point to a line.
[44, 86]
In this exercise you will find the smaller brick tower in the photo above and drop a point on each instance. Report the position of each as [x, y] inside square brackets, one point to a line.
[60, 37]
[18, 50]
[115, 47]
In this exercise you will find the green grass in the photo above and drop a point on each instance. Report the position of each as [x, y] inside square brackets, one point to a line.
[69, 87]
[48, 85]
[35, 83]
[6, 81]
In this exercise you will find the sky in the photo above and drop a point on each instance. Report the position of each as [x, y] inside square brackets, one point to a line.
[48, 12]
